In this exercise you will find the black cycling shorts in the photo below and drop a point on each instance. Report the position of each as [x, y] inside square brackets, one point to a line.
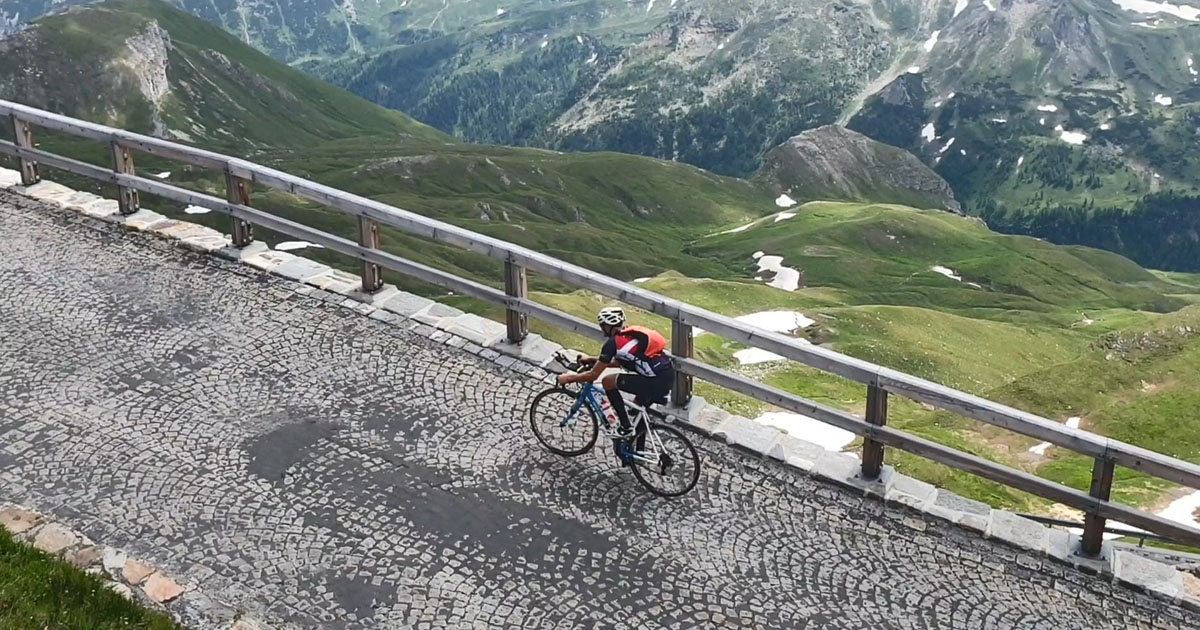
[647, 389]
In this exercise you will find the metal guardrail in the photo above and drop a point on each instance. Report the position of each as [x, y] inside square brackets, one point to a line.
[881, 382]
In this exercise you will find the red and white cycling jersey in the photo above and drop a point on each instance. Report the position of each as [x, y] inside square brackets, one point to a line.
[637, 349]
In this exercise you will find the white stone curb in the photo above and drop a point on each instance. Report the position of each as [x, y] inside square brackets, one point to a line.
[534, 358]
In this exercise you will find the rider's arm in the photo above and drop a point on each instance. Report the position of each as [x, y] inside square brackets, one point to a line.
[590, 376]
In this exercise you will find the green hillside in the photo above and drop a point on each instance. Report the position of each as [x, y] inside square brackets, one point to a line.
[145, 66]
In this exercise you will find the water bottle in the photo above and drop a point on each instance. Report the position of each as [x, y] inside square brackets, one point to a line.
[610, 414]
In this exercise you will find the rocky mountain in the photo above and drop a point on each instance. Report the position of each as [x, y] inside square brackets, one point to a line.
[142, 65]
[834, 163]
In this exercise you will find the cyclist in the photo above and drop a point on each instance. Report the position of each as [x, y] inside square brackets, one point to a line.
[638, 350]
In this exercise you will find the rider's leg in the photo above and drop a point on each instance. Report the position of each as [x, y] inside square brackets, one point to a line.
[616, 400]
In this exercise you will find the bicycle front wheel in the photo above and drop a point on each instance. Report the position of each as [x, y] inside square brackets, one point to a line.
[560, 431]
[666, 462]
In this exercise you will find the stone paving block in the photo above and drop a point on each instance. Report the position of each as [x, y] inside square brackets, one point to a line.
[79, 200]
[54, 538]
[161, 589]
[243, 254]
[434, 313]
[840, 468]
[336, 281]
[135, 572]
[182, 230]
[908, 491]
[101, 209]
[113, 560]
[704, 418]
[17, 520]
[1017, 530]
[212, 243]
[85, 557]
[474, 328]
[533, 348]
[1134, 570]
[406, 304]
[9, 177]
[379, 297]
[1191, 591]
[797, 453]
[877, 487]
[748, 434]
[268, 260]
[300, 269]
[144, 220]
[47, 190]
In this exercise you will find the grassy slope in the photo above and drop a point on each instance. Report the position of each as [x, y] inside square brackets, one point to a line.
[38, 592]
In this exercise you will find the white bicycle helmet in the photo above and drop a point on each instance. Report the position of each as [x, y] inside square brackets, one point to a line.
[611, 316]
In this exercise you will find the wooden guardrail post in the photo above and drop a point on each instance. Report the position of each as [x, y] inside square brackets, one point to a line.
[237, 191]
[682, 346]
[23, 137]
[516, 284]
[1093, 524]
[872, 455]
[368, 236]
[127, 198]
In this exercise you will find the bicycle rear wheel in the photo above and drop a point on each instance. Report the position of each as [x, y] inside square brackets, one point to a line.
[666, 462]
[559, 431]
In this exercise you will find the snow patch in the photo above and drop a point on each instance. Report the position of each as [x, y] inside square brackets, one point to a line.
[1105, 126]
[914, 69]
[737, 229]
[1148, 7]
[786, 278]
[650, 6]
[757, 255]
[784, 201]
[932, 41]
[1041, 121]
[949, 144]
[808, 429]
[784, 215]
[1020, 161]
[544, 43]
[783, 322]
[990, 7]
[928, 132]
[500, 12]
[946, 271]
[1000, 120]
[1047, 108]
[1040, 449]
[1163, 100]
[754, 356]
[959, 7]
[579, 38]
[640, 280]
[196, 210]
[290, 245]
[163, 175]
[1073, 137]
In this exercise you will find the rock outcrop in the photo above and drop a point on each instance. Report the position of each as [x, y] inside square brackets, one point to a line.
[836, 164]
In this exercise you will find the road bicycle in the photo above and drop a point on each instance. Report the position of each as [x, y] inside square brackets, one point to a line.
[567, 422]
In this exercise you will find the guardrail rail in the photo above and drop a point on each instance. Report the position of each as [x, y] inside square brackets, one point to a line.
[880, 382]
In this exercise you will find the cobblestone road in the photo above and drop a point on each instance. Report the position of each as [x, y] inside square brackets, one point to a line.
[318, 468]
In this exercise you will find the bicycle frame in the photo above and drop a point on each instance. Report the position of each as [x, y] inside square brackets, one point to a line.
[590, 395]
